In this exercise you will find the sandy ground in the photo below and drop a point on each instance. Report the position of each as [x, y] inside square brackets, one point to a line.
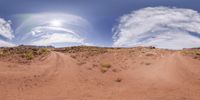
[159, 75]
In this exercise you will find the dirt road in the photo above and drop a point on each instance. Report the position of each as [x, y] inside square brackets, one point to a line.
[60, 77]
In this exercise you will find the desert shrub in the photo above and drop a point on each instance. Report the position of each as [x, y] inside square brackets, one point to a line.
[105, 67]
[4, 53]
[45, 50]
[195, 53]
[191, 52]
[149, 54]
[41, 51]
[28, 55]
[81, 63]
[1, 53]
[92, 51]
[103, 70]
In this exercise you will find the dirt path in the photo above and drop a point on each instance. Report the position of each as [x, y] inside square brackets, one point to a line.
[173, 77]
[59, 77]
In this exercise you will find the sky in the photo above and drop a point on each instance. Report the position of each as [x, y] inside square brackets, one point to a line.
[171, 24]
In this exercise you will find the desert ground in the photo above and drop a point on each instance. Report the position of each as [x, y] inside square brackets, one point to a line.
[94, 73]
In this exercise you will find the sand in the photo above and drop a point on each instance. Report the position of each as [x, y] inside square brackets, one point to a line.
[131, 75]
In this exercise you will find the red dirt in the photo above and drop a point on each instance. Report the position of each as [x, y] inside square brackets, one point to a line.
[133, 75]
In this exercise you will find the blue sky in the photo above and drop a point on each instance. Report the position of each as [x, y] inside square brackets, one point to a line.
[91, 20]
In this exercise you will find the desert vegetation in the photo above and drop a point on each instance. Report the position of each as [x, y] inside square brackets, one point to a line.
[96, 70]
[22, 54]
[105, 67]
[195, 53]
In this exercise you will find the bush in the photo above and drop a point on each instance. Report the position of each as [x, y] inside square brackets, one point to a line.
[42, 51]
[1, 53]
[191, 52]
[4, 53]
[105, 67]
[29, 55]
[45, 50]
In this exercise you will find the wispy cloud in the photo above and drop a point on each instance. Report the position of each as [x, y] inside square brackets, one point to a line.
[5, 29]
[6, 44]
[46, 35]
[6, 33]
[163, 27]
[37, 29]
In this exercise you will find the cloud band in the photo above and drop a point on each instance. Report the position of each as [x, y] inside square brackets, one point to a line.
[163, 27]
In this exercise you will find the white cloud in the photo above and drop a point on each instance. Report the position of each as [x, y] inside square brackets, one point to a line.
[37, 29]
[45, 35]
[163, 27]
[40, 29]
[5, 29]
[6, 33]
[6, 44]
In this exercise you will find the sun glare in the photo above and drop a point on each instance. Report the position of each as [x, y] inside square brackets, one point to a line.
[56, 23]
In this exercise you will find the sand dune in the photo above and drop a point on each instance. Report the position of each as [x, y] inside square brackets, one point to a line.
[113, 74]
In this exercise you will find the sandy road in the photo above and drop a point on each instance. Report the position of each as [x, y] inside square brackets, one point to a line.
[18, 79]
[59, 77]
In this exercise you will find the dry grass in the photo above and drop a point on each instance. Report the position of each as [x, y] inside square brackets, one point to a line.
[22, 54]
[4, 53]
[149, 54]
[191, 52]
[195, 53]
[104, 70]
[28, 55]
[105, 67]
[81, 63]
